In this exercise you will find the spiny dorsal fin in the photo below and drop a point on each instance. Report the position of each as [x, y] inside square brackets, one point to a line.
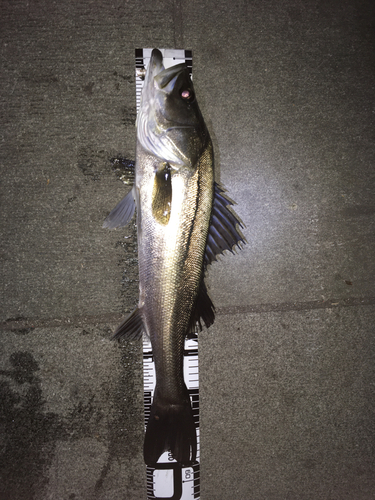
[223, 233]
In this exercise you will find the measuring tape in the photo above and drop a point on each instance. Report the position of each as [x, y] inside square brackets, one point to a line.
[169, 479]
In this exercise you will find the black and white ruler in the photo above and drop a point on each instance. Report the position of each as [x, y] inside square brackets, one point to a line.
[168, 479]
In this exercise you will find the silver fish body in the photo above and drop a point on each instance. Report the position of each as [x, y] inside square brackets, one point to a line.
[183, 222]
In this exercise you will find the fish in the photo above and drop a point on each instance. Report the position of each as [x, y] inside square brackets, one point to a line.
[184, 221]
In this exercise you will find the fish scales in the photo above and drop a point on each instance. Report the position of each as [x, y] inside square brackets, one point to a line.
[183, 223]
[171, 265]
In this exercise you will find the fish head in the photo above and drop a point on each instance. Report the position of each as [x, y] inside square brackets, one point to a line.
[169, 123]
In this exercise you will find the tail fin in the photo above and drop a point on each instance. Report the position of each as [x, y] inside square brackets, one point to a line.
[170, 427]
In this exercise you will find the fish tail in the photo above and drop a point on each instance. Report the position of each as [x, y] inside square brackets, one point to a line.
[170, 427]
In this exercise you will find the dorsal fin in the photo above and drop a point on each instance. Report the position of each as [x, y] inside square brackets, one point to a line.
[204, 310]
[223, 233]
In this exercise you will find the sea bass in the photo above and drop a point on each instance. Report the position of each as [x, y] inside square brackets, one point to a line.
[183, 223]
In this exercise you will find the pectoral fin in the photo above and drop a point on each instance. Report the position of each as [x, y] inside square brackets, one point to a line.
[162, 195]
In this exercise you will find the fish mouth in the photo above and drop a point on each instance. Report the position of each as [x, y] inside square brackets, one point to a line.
[163, 78]
[155, 65]
[167, 78]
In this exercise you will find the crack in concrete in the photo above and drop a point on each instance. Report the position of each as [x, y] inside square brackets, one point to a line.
[25, 325]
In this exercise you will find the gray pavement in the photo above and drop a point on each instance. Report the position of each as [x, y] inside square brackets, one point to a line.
[287, 370]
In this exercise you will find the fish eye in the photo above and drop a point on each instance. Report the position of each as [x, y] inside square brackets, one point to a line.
[187, 94]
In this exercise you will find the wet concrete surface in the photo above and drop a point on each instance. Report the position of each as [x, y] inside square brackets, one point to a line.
[287, 370]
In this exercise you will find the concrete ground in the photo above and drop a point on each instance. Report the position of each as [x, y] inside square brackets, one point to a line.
[287, 370]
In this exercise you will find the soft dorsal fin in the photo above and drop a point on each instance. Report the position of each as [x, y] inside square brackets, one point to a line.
[204, 310]
[223, 233]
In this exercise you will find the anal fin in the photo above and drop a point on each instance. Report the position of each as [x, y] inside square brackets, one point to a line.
[131, 328]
